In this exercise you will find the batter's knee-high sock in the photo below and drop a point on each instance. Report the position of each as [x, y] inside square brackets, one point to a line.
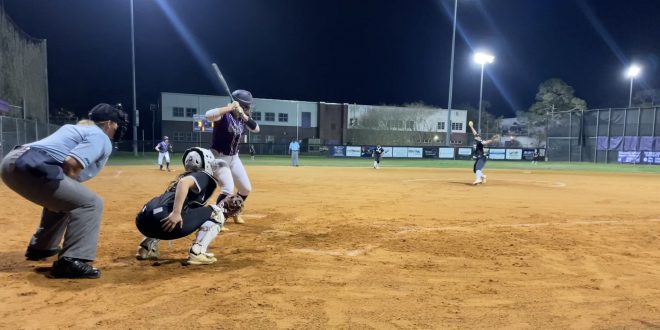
[243, 196]
[479, 175]
[168, 165]
[161, 166]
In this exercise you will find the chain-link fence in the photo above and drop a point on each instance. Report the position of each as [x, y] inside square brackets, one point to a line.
[629, 135]
[16, 131]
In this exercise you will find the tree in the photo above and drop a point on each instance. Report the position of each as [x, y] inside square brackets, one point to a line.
[647, 98]
[555, 95]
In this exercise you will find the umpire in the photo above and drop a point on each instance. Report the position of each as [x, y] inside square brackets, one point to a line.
[49, 173]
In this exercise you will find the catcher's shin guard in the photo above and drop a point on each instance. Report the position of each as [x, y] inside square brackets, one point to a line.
[206, 234]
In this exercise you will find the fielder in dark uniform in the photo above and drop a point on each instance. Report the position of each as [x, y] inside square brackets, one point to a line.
[229, 124]
[480, 157]
[378, 155]
[181, 210]
[50, 173]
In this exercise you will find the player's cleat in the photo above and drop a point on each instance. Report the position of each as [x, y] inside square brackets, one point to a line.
[224, 229]
[483, 179]
[73, 268]
[476, 182]
[36, 255]
[148, 250]
[238, 219]
[200, 259]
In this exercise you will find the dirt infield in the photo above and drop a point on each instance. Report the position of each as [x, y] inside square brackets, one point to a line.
[361, 248]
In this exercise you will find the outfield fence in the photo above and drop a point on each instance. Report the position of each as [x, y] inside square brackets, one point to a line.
[17, 131]
[627, 135]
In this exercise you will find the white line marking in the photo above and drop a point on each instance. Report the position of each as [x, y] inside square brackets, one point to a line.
[553, 184]
[517, 225]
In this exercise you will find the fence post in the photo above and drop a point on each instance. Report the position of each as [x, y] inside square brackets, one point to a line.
[570, 134]
[655, 117]
[625, 124]
[597, 132]
[609, 128]
[583, 134]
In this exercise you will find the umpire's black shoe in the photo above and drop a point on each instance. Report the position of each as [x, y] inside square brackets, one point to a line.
[36, 255]
[73, 268]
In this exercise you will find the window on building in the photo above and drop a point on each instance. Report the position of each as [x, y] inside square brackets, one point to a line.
[283, 117]
[456, 126]
[270, 116]
[256, 138]
[270, 138]
[177, 136]
[256, 115]
[441, 125]
[353, 122]
[190, 112]
[410, 125]
[177, 112]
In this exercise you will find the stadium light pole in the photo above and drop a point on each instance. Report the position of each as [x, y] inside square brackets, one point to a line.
[483, 59]
[135, 149]
[451, 75]
[632, 72]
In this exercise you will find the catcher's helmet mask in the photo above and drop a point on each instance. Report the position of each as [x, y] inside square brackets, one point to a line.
[197, 159]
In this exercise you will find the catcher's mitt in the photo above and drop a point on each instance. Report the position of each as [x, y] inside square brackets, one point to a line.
[232, 204]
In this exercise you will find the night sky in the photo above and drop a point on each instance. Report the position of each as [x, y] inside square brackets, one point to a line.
[354, 51]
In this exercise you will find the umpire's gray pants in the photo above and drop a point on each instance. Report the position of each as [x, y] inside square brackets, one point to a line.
[294, 158]
[70, 210]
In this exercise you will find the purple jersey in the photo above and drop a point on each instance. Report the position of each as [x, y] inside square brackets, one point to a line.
[227, 133]
[164, 146]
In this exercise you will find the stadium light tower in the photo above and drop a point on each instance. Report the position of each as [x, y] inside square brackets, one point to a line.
[134, 116]
[632, 72]
[451, 75]
[483, 59]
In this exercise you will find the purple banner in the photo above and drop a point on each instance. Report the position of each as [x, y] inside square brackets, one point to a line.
[646, 143]
[602, 143]
[616, 143]
[656, 146]
[4, 106]
[630, 143]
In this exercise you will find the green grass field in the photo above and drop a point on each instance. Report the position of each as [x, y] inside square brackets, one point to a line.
[126, 158]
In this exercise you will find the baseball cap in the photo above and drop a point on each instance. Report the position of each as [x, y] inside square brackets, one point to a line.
[104, 112]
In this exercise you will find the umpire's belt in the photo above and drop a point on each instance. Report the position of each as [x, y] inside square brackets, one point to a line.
[38, 163]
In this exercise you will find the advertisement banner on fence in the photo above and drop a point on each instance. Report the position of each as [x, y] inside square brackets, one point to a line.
[400, 152]
[496, 153]
[414, 152]
[353, 151]
[430, 152]
[387, 152]
[367, 151]
[446, 153]
[338, 151]
[528, 154]
[632, 157]
[514, 154]
[651, 157]
[465, 151]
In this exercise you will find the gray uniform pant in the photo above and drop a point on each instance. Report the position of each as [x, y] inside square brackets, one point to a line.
[70, 210]
[294, 158]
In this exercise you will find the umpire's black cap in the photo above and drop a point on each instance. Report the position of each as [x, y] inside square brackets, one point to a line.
[103, 112]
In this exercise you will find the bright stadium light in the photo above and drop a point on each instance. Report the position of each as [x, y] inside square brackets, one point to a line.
[632, 72]
[482, 59]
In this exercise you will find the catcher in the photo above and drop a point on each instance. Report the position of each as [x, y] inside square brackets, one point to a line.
[480, 157]
[181, 209]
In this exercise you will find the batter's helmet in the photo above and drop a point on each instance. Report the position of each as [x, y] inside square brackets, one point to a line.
[243, 97]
